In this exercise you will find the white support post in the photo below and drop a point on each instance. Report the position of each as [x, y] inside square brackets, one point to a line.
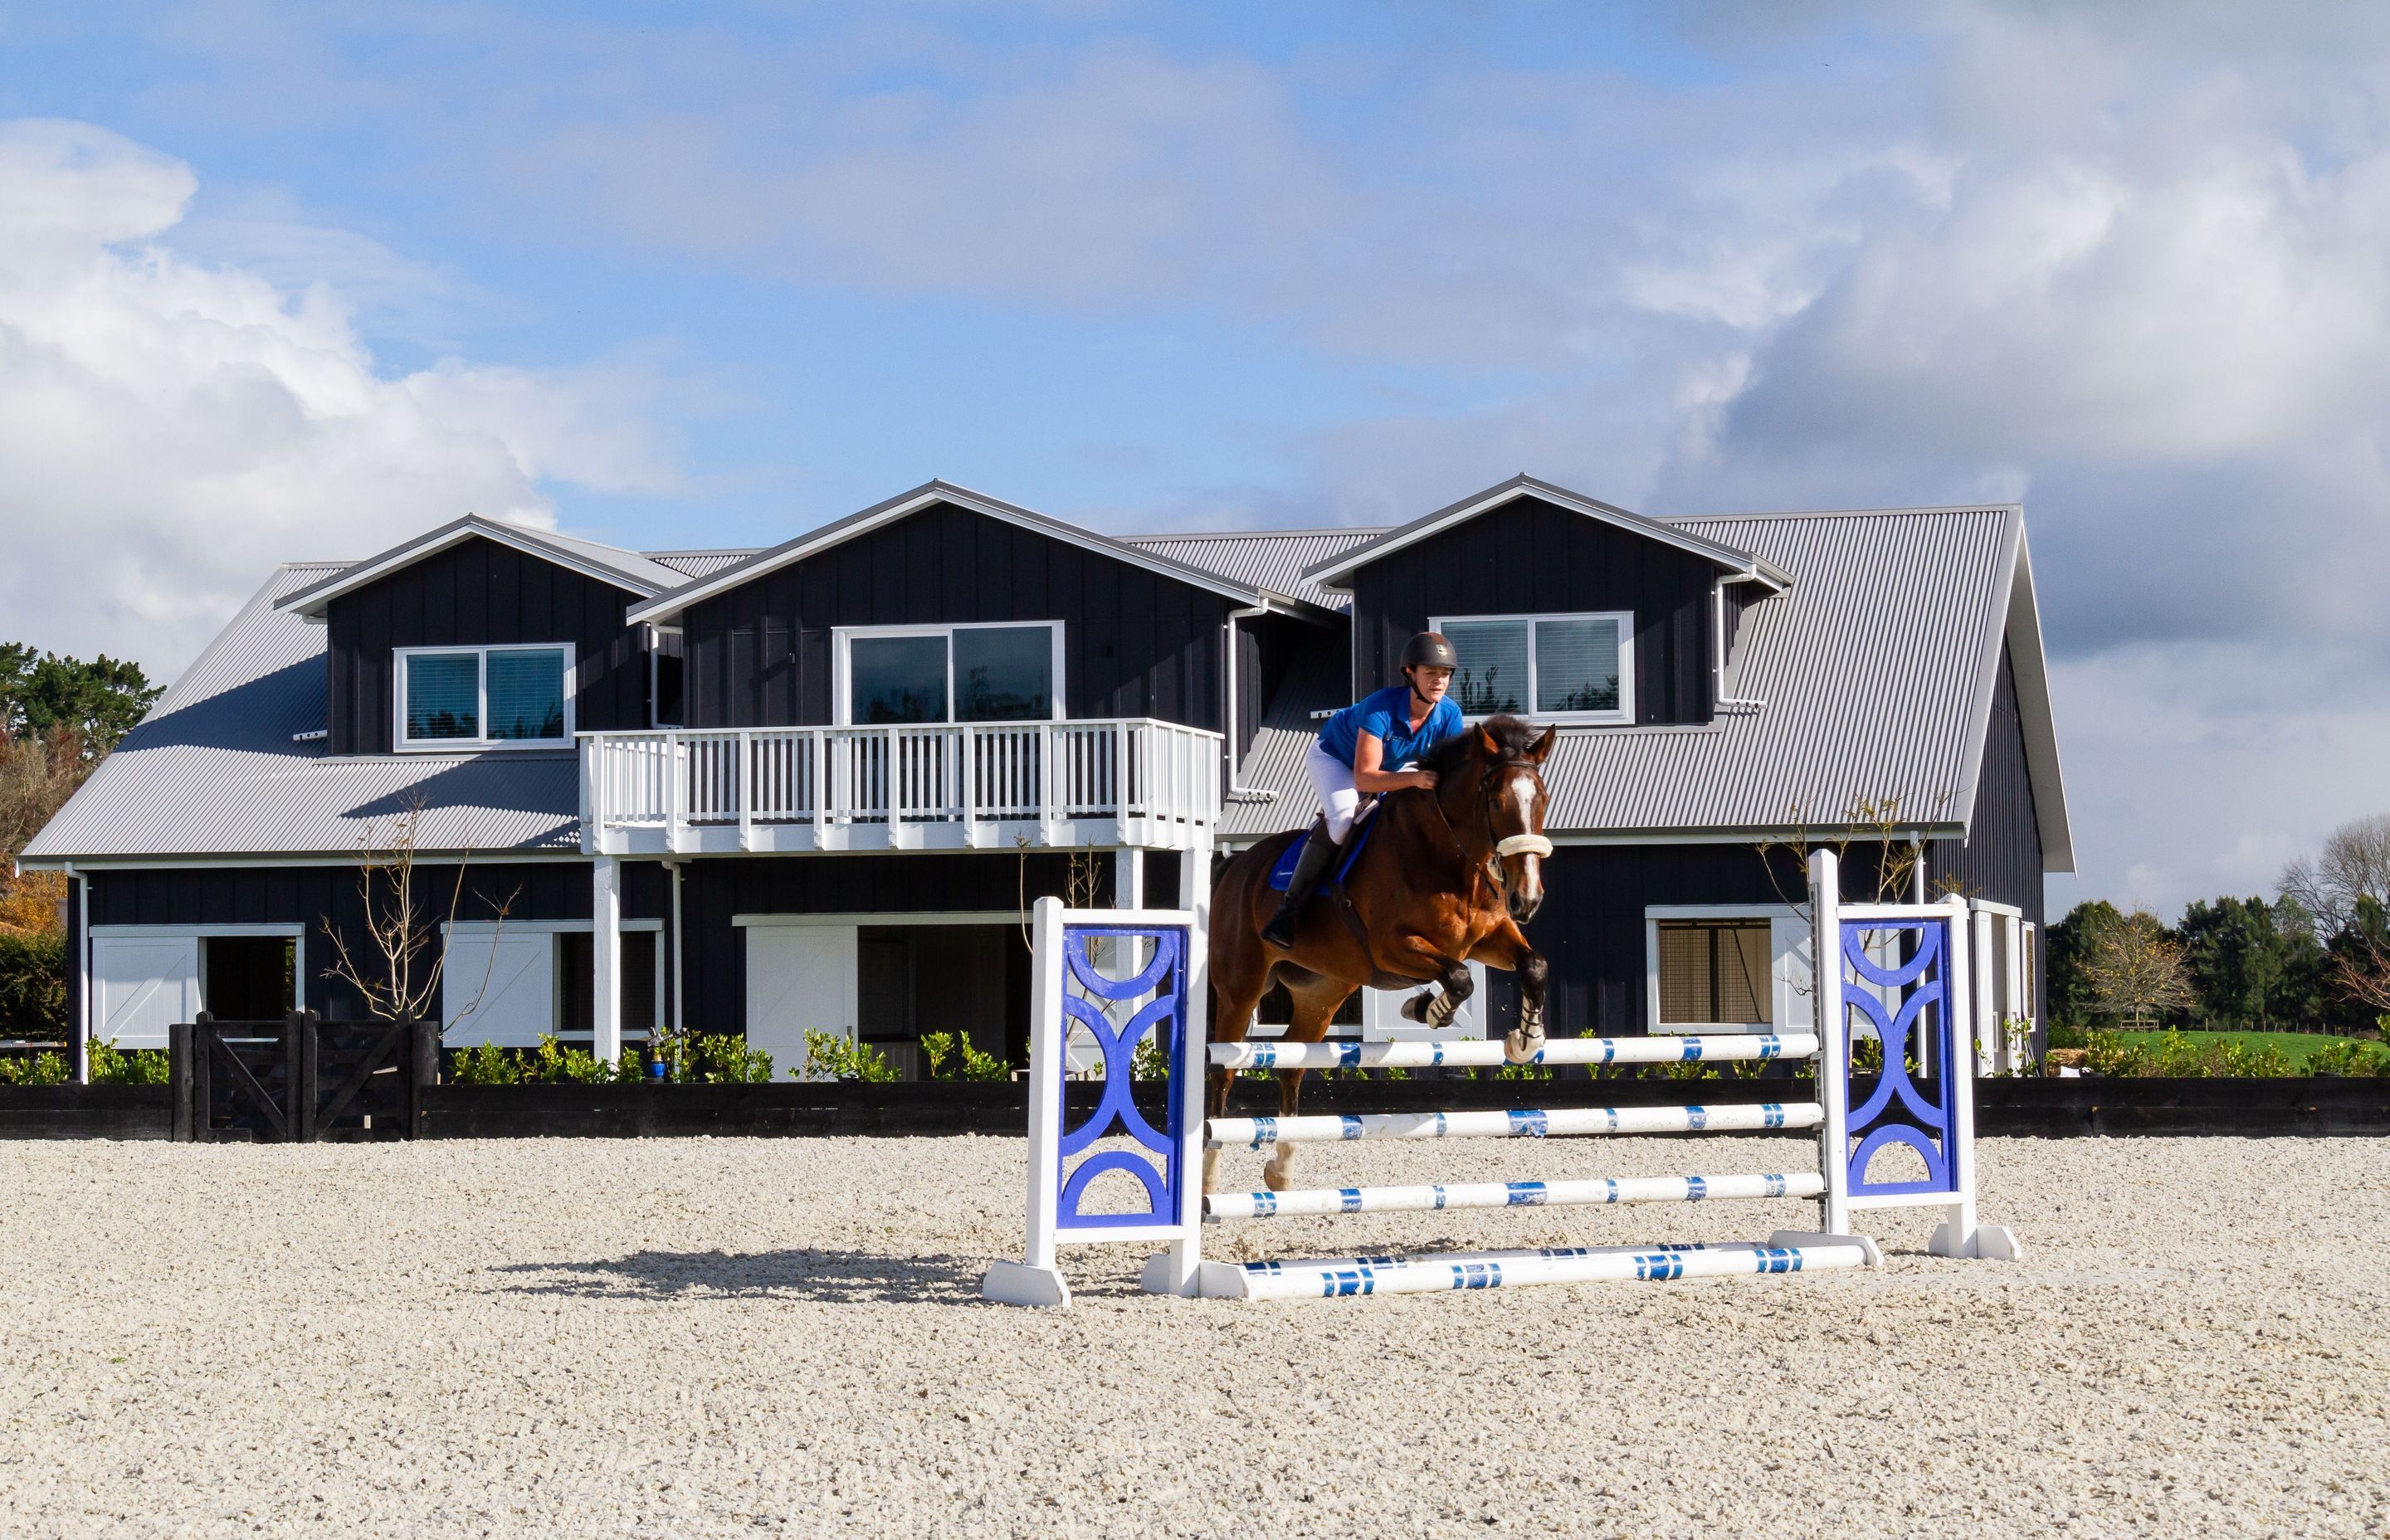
[745, 789]
[606, 958]
[1833, 1036]
[1958, 1234]
[2013, 1001]
[1987, 1023]
[1035, 1280]
[679, 958]
[1128, 877]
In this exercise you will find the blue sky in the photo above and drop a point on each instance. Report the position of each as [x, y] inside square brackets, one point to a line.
[296, 281]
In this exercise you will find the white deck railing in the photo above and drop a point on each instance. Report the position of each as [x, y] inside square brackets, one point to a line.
[1132, 781]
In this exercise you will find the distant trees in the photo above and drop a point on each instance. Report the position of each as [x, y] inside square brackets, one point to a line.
[98, 701]
[2315, 957]
[2136, 971]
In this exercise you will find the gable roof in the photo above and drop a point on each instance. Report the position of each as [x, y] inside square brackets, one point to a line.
[214, 769]
[1864, 692]
[663, 606]
[625, 569]
[1337, 571]
[1275, 560]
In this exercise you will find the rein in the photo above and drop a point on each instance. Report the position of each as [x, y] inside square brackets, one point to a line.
[1514, 844]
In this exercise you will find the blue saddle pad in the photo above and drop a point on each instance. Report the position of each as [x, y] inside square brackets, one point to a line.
[1282, 874]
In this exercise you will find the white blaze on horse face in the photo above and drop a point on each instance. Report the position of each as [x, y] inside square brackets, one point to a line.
[1524, 887]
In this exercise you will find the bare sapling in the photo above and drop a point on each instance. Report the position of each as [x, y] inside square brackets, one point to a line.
[398, 968]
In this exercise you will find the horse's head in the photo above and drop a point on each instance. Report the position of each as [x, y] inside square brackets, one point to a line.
[1508, 758]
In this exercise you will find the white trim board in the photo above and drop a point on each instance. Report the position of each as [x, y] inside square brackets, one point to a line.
[313, 600]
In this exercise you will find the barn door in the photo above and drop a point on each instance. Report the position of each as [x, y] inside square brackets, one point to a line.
[800, 978]
[499, 986]
[141, 985]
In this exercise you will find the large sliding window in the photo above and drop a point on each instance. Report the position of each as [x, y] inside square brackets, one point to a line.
[485, 697]
[950, 673]
[1568, 668]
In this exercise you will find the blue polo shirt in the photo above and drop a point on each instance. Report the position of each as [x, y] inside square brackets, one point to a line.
[1388, 715]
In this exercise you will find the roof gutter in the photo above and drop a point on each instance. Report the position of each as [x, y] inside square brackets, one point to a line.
[1235, 791]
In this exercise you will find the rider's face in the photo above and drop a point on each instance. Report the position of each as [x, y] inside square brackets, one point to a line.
[1431, 683]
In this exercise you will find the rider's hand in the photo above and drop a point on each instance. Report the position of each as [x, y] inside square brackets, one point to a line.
[1424, 779]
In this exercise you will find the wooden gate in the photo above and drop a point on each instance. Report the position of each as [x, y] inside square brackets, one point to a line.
[301, 1079]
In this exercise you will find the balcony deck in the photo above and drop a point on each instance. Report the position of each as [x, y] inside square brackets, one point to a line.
[977, 786]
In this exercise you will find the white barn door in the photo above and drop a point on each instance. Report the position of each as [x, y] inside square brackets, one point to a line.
[519, 1002]
[141, 985]
[800, 978]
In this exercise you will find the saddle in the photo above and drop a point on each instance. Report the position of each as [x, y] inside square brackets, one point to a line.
[1333, 889]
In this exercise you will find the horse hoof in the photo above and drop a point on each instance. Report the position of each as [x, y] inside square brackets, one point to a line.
[1415, 1009]
[1519, 1048]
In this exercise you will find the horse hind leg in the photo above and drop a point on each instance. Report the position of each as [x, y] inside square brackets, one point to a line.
[1435, 1008]
[1316, 999]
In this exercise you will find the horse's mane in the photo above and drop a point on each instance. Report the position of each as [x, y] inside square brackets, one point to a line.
[1452, 755]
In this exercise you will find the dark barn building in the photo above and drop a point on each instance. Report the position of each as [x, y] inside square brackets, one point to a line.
[812, 788]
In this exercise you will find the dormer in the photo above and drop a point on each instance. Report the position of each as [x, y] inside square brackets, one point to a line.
[1563, 609]
[483, 637]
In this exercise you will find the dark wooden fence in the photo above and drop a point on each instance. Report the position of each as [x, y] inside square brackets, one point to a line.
[302, 1079]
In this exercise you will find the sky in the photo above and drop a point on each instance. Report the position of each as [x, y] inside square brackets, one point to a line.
[290, 282]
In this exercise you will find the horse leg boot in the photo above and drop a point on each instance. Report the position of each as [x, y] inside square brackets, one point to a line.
[1435, 1009]
[1277, 1173]
[1526, 1041]
[1310, 867]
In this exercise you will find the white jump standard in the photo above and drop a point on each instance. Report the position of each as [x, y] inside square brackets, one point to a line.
[1918, 1010]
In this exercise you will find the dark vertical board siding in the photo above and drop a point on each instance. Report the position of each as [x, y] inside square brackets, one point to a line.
[1135, 644]
[1591, 927]
[475, 593]
[714, 892]
[2001, 857]
[309, 896]
[1530, 555]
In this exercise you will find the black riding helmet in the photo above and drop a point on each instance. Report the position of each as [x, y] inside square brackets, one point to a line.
[1429, 649]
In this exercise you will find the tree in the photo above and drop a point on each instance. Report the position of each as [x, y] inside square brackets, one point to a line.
[100, 700]
[2256, 964]
[38, 773]
[2361, 957]
[2136, 968]
[2072, 941]
[396, 979]
[2353, 865]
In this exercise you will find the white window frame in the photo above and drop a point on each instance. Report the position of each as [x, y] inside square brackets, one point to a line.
[842, 673]
[405, 745]
[1781, 967]
[453, 931]
[1625, 714]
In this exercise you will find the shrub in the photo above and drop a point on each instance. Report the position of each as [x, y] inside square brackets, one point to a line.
[32, 985]
[2174, 1054]
[712, 1059]
[48, 1069]
[831, 1056]
[114, 1066]
[953, 1056]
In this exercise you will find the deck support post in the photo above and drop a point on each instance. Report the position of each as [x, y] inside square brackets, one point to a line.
[606, 958]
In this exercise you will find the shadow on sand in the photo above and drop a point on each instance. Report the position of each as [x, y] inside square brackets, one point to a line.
[828, 1277]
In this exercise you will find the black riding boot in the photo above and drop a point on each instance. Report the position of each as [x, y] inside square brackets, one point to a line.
[1318, 853]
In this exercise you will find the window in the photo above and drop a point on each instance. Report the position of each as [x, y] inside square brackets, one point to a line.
[667, 668]
[1570, 667]
[951, 673]
[485, 697]
[1715, 972]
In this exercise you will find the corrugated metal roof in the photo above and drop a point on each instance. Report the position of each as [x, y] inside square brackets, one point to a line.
[1275, 560]
[635, 573]
[211, 768]
[1876, 668]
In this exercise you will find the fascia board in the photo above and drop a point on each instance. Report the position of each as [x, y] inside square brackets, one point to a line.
[1332, 573]
[2035, 716]
[673, 601]
[312, 601]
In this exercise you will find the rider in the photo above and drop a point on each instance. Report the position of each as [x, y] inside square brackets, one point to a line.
[1394, 726]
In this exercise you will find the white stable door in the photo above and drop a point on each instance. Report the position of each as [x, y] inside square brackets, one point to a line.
[800, 978]
[141, 985]
[499, 986]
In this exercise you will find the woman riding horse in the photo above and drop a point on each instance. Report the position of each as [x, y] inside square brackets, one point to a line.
[1450, 874]
[1394, 726]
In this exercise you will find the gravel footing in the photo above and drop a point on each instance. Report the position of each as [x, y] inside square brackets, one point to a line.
[726, 1336]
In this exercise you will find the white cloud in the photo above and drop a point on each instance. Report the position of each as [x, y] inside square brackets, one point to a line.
[170, 430]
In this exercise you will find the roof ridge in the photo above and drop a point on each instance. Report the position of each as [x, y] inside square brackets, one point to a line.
[1355, 530]
[1842, 513]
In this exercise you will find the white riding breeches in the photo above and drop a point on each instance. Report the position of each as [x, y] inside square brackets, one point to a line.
[1338, 798]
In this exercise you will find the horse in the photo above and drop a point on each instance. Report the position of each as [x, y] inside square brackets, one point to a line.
[1446, 879]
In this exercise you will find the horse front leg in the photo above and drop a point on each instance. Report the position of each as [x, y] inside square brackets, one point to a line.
[1434, 1007]
[1507, 948]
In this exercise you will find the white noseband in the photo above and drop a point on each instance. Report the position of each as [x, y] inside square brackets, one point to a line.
[1523, 844]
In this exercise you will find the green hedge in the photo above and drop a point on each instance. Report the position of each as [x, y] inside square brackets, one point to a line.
[33, 986]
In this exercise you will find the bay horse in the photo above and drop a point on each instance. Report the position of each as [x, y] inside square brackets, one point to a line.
[1446, 879]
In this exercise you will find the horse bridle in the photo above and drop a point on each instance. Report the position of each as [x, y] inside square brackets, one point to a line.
[1513, 844]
